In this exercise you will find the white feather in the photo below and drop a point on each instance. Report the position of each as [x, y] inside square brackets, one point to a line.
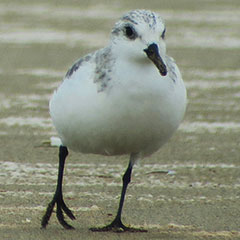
[130, 109]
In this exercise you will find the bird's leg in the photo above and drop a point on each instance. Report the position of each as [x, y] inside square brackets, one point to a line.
[117, 224]
[58, 196]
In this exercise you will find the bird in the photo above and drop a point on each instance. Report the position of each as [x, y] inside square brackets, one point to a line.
[127, 98]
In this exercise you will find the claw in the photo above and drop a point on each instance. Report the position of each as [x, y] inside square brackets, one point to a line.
[117, 226]
[47, 214]
[61, 207]
[67, 211]
[60, 216]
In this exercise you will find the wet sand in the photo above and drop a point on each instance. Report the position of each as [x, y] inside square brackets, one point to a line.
[190, 189]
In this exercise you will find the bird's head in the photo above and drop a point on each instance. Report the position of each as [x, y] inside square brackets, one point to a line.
[139, 35]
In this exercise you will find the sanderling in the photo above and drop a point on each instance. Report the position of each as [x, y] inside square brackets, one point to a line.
[126, 98]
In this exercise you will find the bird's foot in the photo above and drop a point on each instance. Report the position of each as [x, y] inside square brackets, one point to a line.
[117, 226]
[61, 207]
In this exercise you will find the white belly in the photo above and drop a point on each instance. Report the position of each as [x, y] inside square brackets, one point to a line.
[122, 120]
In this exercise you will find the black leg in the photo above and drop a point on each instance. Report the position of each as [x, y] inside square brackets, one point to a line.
[117, 224]
[58, 196]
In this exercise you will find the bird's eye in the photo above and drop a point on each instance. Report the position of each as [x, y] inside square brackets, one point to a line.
[163, 34]
[130, 33]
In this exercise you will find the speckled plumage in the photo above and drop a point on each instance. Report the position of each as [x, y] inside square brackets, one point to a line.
[126, 98]
[114, 101]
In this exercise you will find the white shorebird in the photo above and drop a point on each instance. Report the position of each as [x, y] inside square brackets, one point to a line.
[127, 98]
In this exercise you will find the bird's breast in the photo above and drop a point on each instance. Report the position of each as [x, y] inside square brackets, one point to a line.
[134, 114]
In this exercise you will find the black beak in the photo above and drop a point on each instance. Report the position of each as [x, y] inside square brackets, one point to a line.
[153, 54]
